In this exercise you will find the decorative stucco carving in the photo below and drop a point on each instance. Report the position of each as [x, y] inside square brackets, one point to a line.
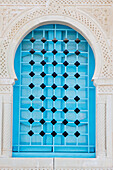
[102, 15]
[56, 169]
[9, 14]
[5, 89]
[105, 89]
[3, 63]
[64, 2]
[57, 9]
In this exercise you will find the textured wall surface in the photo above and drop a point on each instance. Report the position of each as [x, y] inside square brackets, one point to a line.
[94, 20]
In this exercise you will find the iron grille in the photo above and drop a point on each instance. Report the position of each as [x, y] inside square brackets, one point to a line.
[54, 98]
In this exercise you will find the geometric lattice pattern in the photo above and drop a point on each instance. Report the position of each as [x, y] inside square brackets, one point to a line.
[55, 95]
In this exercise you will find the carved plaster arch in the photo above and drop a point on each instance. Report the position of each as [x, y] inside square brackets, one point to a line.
[91, 30]
[72, 17]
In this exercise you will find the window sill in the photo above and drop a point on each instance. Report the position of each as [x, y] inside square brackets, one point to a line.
[57, 163]
[51, 155]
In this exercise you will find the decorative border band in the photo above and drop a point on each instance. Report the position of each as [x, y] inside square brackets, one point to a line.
[63, 2]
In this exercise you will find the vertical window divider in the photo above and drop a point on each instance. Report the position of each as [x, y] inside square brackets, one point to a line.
[20, 98]
[54, 83]
[88, 98]
[42, 141]
[77, 90]
[65, 78]
[31, 82]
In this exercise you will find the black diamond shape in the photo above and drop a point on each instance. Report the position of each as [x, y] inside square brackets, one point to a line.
[65, 134]
[54, 98]
[66, 40]
[65, 52]
[77, 98]
[43, 51]
[53, 109]
[30, 133]
[42, 133]
[54, 86]
[53, 133]
[65, 122]
[31, 109]
[65, 75]
[32, 51]
[42, 121]
[31, 121]
[77, 63]
[77, 75]
[54, 40]
[54, 63]
[42, 85]
[77, 122]
[76, 86]
[31, 62]
[76, 133]
[31, 85]
[54, 51]
[42, 109]
[77, 110]
[65, 110]
[65, 98]
[65, 63]
[43, 40]
[42, 74]
[65, 86]
[32, 74]
[77, 40]
[77, 52]
[42, 97]
[31, 97]
[53, 121]
[54, 74]
[32, 40]
[43, 62]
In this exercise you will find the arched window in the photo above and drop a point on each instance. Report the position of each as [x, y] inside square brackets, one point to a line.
[54, 97]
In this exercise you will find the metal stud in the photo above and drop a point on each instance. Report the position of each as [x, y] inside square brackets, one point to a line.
[53, 133]
[31, 109]
[32, 51]
[43, 40]
[65, 134]
[32, 40]
[76, 133]
[30, 133]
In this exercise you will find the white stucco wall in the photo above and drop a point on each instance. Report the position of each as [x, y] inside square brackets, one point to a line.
[94, 20]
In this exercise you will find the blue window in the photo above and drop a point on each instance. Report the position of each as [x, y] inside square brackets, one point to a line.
[54, 97]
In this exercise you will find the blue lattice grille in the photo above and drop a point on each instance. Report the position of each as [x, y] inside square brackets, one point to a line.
[54, 98]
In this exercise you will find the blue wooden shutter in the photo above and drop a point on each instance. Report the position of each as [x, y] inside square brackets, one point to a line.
[54, 97]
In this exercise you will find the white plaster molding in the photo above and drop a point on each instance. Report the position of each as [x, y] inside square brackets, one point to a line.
[26, 163]
[4, 89]
[1, 111]
[56, 169]
[105, 89]
[108, 125]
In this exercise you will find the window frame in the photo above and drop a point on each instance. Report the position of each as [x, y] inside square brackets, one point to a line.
[89, 53]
